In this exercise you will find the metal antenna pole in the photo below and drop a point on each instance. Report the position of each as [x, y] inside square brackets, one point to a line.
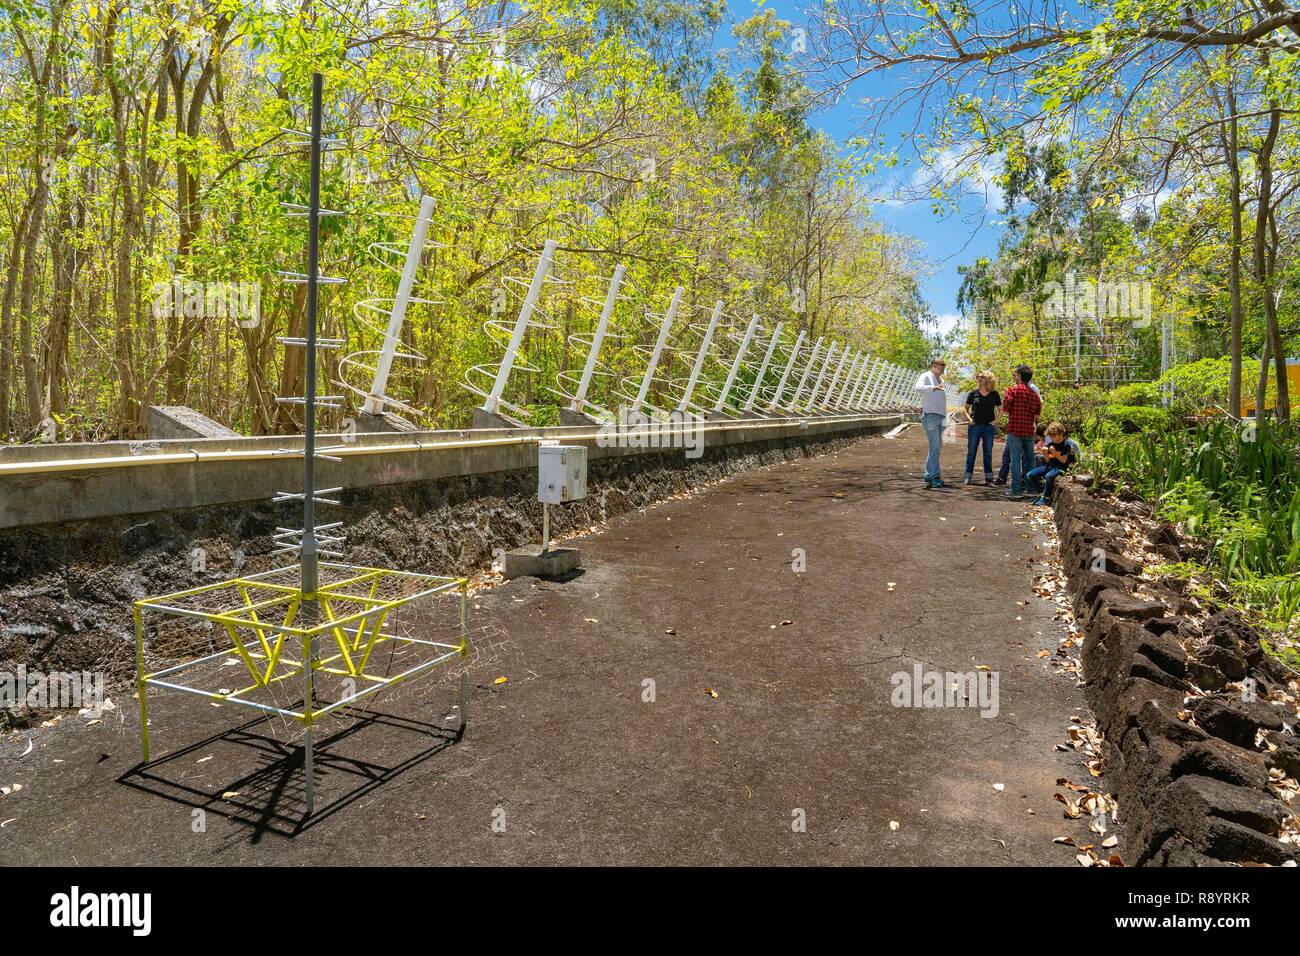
[599, 337]
[821, 375]
[803, 379]
[374, 404]
[309, 567]
[659, 347]
[855, 371]
[700, 356]
[864, 382]
[882, 397]
[785, 375]
[762, 369]
[735, 365]
[521, 326]
[839, 370]
[1078, 343]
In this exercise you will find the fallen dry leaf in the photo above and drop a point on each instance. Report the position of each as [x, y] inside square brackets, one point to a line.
[501, 680]
[711, 692]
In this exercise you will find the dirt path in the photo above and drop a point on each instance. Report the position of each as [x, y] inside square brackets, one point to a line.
[579, 768]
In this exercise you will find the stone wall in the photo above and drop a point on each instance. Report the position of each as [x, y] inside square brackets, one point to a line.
[1193, 749]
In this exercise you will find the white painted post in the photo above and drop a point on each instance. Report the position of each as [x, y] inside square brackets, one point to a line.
[900, 385]
[659, 347]
[597, 338]
[821, 376]
[521, 326]
[860, 392]
[700, 356]
[794, 354]
[839, 370]
[374, 403]
[855, 372]
[735, 365]
[762, 369]
[885, 397]
[803, 379]
[877, 387]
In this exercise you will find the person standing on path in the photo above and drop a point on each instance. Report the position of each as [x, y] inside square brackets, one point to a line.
[982, 405]
[1022, 407]
[934, 416]
[1004, 468]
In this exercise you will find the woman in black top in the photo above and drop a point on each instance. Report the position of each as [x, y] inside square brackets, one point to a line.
[981, 409]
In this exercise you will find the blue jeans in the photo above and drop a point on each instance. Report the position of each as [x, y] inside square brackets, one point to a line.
[975, 436]
[1022, 459]
[933, 424]
[1041, 479]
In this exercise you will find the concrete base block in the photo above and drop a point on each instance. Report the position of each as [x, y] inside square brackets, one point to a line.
[717, 416]
[532, 561]
[383, 422]
[577, 419]
[485, 419]
[178, 421]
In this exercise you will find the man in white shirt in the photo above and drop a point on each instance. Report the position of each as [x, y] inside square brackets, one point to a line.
[934, 416]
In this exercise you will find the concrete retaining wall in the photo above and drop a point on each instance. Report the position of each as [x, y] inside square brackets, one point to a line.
[58, 483]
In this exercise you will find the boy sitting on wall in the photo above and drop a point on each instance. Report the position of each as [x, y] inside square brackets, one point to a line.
[1059, 453]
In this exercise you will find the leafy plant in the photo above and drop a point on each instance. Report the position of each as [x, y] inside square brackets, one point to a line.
[1237, 488]
[1143, 394]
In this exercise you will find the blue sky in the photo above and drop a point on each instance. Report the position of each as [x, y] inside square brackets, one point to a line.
[947, 241]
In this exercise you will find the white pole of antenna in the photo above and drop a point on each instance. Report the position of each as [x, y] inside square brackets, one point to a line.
[700, 356]
[521, 326]
[864, 382]
[659, 347]
[598, 337]
[899, 385]
[735, 365]
[803, 379]
[886, 396]
[374, 403]
[835, 380]
[855, 371]
[821, 375]
[762, 369]
[877, 382]
[794, 354]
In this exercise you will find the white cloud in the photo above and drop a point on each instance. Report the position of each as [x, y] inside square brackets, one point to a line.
[947, 322]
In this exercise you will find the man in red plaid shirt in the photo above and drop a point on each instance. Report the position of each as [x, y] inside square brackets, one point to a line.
[1022, 407]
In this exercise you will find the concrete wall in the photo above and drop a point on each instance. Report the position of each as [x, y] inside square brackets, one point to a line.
[56, 483]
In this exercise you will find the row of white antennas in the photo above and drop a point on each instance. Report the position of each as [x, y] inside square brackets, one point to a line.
[760, 374]
[765, 376]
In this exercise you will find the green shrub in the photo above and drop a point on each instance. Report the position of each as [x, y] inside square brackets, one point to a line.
[1072, 407]
[1237, 490]
[1200, 386]
[1144, 394]
[1113, 420]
